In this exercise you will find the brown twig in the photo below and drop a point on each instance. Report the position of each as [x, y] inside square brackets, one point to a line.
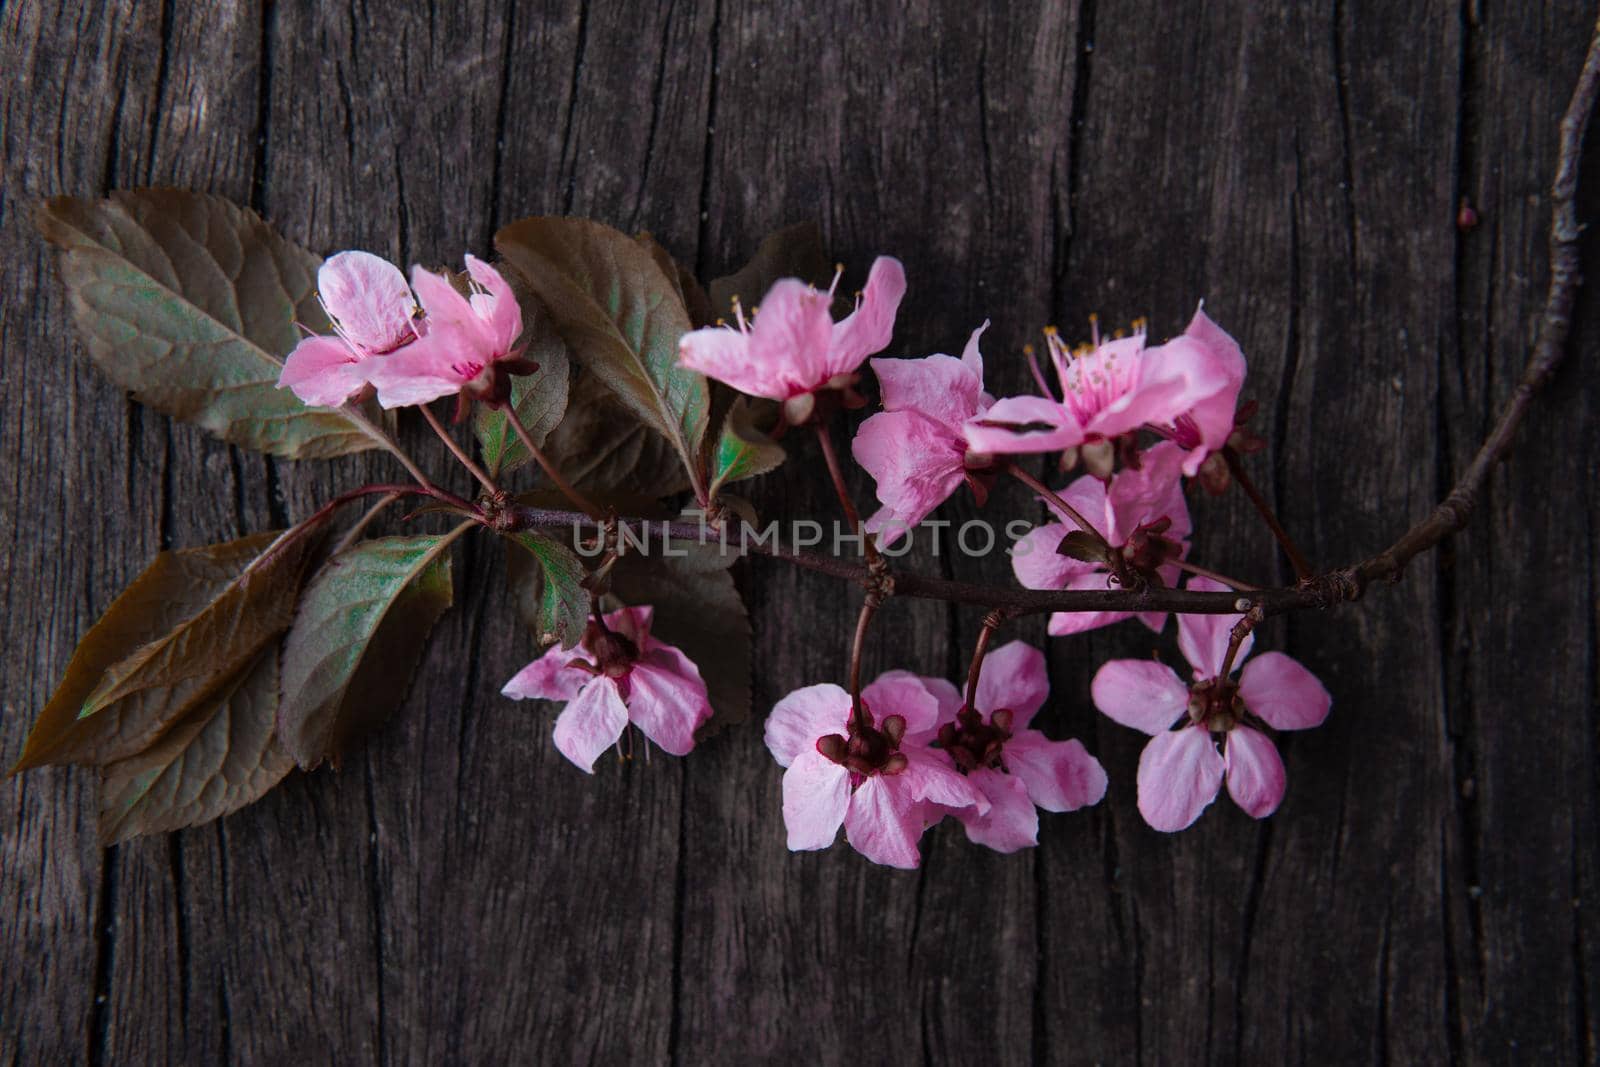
[836, 472]
[991, 623]
[1054, 499]
[868, 608]
[1297, 559]
[583, 503]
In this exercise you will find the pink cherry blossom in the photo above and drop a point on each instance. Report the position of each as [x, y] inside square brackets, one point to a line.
[1181, 770]
[1185, 390]
[373, 314]
[1142, 516]
[616, 675]
[792, 348]
[882, 784]
[468, 350]
[916, 448]
[1017, 768]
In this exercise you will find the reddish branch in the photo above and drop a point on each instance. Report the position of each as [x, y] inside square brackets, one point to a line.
[1320, 591]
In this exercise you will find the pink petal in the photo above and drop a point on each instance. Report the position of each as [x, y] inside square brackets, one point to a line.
[1037, 564]
[902, 693]
[591, 723]
[803, 716]
[1140, 693]
[930, 777]
[1179, 775]
[426, 369]
[1063, 623]
[1255, 771]
[941, 388]
[1022, 424]
[443, 302]
[1012, 821]
[1203, 639]
[1217, 359]
[667, 699]
[505, 316]
[1144, 393]
[972, 357]
[1152, 492]
[1059, 775]
[1014, 676]
[949, 697]
[883, 822]
[549, 677]
[723, 353]
[323, 372]
[369, 298]
[634, 623]
[916, 462]
[870, 327]
[816, 792]
[1283, 692]
[789, 342]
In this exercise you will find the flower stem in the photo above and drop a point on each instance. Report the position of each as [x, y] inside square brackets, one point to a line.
[1054, 499]
[457, 451]
[1236, 636]
[1297, 560]
[1216, 576]
[583, 503]
[991, 622]
[868, 608]
[376, 432]
[825, 439]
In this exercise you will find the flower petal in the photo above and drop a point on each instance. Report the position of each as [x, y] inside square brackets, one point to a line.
[1286, 695]
[803, 716]
[1152, 492]
[929, 777]
[427, 369]
[591, 723]
[901, 693]
[883, 822]
[549, 677]
[1037, 564]
[1063, 623]
[789, 341]
[504, 321]
[869, 328]
[1014, 676]
[973, 357]
[1059, 775]
[916, 462]
[816, 792]
[1140, 693]
[324, 372]
[369, 298]
[1012, 821]
[1179, 775]
[1023, 424]
[723, 353]
[667, 699]
[1203, 639]
[941, 388]
[1255, 771]
[1217, 359]
[950, 698]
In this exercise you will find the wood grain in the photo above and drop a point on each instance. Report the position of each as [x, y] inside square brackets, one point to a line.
[460, 894]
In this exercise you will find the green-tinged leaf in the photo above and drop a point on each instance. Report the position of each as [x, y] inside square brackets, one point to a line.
[190, 303]
[171, 640]
[357, 639]
[621, 316]
[792, 252]
[548, 579]
[1084, 546]
[690, 292]
[604, 450]
[222, 755]
[539, 398]
[698, 609]
[743, 450]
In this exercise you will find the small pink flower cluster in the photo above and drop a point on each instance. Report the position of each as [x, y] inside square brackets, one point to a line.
[913, 751]
[410, 351]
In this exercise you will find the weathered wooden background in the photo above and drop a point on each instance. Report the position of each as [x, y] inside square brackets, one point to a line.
[1429, 890]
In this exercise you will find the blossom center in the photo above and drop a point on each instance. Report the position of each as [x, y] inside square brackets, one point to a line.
[973, 743]
[867, 750]
[1215, 705]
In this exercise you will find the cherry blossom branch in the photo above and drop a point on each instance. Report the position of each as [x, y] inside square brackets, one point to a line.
[1297, 559]
[1318, 591]
[457, 451]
